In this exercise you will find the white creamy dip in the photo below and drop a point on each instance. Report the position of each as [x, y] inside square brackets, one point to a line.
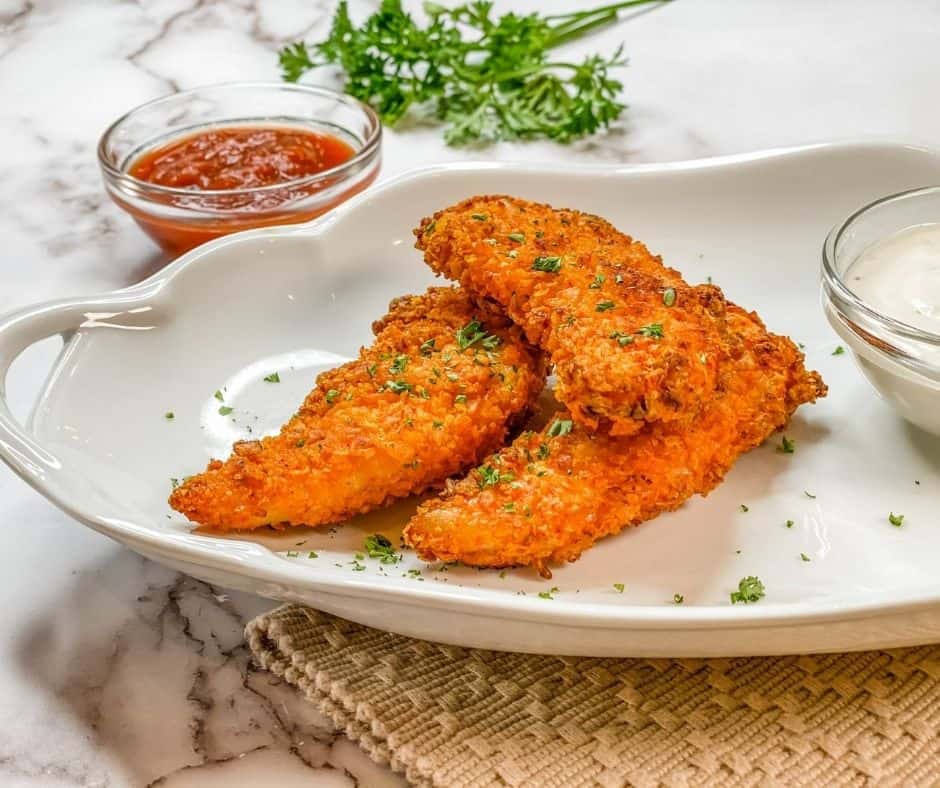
[899, 276]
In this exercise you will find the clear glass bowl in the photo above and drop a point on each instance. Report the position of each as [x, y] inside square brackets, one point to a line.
[179, 219]
[901, 361]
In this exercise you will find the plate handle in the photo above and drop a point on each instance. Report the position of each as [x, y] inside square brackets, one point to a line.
[19, 330]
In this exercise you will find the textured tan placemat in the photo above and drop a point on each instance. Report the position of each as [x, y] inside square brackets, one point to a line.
[451, 717]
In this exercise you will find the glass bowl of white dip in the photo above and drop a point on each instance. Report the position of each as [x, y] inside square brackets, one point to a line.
[881, 293]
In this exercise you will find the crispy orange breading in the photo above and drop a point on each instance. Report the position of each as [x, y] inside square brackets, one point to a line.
[552, 494]
[441, 386]
[630, 341]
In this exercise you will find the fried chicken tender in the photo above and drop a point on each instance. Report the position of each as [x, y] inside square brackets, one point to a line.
[440, 388]
[551, 495]
[630, 341]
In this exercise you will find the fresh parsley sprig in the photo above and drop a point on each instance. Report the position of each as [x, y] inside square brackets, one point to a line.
[486, 78]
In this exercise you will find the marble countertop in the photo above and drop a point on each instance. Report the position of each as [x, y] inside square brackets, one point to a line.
[117, 672]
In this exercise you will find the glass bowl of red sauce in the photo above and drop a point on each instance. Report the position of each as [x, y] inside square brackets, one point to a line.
[207, 162]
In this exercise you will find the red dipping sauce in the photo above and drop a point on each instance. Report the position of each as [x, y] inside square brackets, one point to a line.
[232, 178]
[240, 158]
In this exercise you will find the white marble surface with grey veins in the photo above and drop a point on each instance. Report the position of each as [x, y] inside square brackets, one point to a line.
[117, 672]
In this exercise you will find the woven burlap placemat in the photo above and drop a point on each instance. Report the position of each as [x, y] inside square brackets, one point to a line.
[454, 717]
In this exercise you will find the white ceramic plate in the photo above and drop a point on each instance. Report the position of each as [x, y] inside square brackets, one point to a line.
[297, 300]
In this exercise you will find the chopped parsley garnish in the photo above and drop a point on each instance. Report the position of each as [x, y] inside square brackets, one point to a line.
[331, 396]
[312, 554]
[381, 547]
[808, 494]
[358, 567]
[472, 333]
[622, 338]
[804, 557]
[543, 452]
[604, 306]
[488, 476]
[517, 237]
[169, 415]
[548, 594]
[744, 507]
[427, 347]
[653, 330]
[509, 507]
[480, 217]
[669, 296]
[786, 446]
[560, 427]
[838, 351]
[430, 227]
[398, 386]
[370, 370]
[460, 399]
[225, 410]
[598, 281]
[678, 599]
[550, 265]
[750, 589]
[789, 523]
[218, 396]
[398, 365]
[619, 587]
[897, 520]
[174, 483]
[437, 424]
[272, 378]
[414, 573]
[292, 553]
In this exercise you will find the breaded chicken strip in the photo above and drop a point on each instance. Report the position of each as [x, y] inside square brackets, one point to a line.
[630, 341]
[551, 495]
[439, 389]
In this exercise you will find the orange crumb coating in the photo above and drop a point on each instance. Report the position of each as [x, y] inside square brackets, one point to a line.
[412, 410]
[555, 496]
[595, 314]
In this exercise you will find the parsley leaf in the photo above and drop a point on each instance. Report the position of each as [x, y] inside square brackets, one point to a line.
[474, 332]
[331, 396]
[560, 427]
[622, 338]
[653, 330]
[550, 265]
[897, 520]
[598, 281]
[669, 296]
[517, 237]
[427, 347]
[488, 476]
[604, 306]
[786, 446]
[381, 547]
[619, 587]
[398, 365]
[750, 589]
[487, 78]
[838, 351]
[225, 410]
[397, 386]
[169, 415]
[678, 599]
[272, 378]
[549, 594]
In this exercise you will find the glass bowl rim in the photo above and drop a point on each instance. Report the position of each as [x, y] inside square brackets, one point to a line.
[842, 296]
[367, 151]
